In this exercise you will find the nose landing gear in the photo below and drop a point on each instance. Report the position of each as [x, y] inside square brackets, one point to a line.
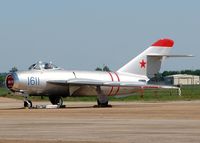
[27, 102]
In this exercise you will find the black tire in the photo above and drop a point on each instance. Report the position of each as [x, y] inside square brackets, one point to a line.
[28, 104]
[105, 104]
[56, 100]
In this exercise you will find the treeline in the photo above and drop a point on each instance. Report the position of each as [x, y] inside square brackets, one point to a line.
[190, 72]
[2, 79]
[104, 68]
[160, 76]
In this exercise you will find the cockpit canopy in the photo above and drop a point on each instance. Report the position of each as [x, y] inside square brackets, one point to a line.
[43, 66]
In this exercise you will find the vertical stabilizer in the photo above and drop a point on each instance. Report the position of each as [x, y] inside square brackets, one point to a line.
[148, 63]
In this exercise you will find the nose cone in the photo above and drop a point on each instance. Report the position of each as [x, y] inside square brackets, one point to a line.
[10, 80]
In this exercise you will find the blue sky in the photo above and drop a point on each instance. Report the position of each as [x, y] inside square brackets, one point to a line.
[84, 34]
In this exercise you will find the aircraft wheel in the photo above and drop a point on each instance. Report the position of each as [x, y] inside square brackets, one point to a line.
[102, 104]
[56, 100]
[28, 103]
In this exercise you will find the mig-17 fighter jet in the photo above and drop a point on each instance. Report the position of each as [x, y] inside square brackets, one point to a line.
[49, 80]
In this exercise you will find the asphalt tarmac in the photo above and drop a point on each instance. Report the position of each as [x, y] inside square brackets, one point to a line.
[131, 122]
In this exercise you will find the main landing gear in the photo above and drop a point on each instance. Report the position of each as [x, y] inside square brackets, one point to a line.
[56, 100]
[102, 99]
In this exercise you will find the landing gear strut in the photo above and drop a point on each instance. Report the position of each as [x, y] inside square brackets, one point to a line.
[102, 99]
[27, 103]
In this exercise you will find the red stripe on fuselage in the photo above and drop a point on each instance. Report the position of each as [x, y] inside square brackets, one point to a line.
[112, 86]
[118, 81]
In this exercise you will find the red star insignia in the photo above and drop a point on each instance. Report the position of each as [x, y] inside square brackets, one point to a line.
[142, 64]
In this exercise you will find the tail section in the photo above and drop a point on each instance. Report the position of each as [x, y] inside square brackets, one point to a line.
[148, 63]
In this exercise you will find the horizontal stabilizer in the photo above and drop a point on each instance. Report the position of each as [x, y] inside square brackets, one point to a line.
[168, 56]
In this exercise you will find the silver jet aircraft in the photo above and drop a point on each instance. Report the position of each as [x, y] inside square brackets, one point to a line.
[49, 80]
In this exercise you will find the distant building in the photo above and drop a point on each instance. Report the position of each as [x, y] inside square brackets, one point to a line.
[182, 79]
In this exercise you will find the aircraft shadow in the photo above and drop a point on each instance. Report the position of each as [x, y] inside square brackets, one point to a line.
[12, 108]
[64, 108]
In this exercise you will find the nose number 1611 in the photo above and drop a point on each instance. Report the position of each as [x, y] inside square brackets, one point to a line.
[33, 81]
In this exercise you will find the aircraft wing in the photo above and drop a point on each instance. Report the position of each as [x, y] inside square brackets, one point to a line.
[77, 81]
[81, 81]
[90, 82]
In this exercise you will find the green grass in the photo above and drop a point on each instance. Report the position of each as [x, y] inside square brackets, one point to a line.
[3, 91]
[188, 93]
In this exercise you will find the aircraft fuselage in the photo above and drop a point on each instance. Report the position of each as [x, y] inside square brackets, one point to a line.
[37, 82]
